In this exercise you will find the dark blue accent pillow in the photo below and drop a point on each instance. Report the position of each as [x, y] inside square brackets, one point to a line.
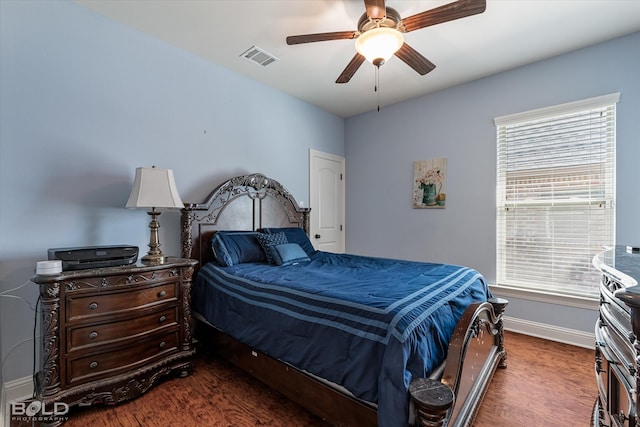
[288, 254]
[237, 247]
[269, 240]
[295, 235]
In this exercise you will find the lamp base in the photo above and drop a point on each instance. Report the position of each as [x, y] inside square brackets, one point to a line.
[155, 255]
[155, 259]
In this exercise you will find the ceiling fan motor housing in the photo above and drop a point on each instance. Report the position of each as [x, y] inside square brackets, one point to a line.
[390, 20]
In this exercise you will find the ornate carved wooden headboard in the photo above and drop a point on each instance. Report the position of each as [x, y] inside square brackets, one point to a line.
[247, 202]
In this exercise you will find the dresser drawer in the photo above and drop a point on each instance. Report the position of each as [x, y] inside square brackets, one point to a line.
[97, 365]
[108, 332]
[612, 306]
[621, 402]
[81, 306]
[608, 287]
[621, 349]
[108, 277]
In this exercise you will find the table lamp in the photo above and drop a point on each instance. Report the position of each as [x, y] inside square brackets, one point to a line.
[154, 188]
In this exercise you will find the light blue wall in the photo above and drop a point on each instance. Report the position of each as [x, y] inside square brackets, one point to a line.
[84, 101]
[457, 123]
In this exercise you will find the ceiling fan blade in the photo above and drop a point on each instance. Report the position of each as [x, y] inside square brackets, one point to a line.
[448, 12]
[321, 37]
[351, 69]
[375, 9]
[414, 59]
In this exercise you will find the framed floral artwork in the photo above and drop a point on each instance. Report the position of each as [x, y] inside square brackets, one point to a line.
[429, 183]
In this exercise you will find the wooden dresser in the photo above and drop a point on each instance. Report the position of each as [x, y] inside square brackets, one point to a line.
[109, 334]
[617, 346]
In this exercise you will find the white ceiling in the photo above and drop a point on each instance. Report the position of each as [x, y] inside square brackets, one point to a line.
[510, 33]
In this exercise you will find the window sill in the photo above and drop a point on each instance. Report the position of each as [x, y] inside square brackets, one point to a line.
[588, 303]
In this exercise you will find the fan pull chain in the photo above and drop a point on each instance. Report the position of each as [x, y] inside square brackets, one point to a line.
[377, 84]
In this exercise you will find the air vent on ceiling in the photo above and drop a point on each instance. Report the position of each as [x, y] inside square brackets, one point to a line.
[259, 56]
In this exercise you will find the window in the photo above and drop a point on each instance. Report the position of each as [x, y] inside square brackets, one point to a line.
[555, 195]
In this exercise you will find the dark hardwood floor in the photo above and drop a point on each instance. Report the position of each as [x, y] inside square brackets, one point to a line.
[545, 384]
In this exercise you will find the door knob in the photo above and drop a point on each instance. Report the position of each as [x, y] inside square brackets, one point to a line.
[317, 236]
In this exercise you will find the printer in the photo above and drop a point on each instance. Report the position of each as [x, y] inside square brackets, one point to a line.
[80, 258]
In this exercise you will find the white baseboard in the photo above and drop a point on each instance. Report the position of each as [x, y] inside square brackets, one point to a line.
[550, 332]
[14, 391]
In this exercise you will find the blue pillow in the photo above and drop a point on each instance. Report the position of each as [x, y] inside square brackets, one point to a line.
[268, 240]
[288, 254]
[237, 247]
[295, 235]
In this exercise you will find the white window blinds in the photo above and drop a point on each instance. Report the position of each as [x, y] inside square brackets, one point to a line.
[555, 195]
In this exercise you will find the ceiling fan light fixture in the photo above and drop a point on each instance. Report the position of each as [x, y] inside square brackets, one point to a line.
[379, 44]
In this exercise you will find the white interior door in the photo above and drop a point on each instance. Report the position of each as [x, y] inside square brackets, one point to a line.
[326, 199]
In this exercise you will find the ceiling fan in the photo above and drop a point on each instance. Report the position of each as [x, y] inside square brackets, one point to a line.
[379, 34]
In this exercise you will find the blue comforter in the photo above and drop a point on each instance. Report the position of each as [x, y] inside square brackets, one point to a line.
[368, 324]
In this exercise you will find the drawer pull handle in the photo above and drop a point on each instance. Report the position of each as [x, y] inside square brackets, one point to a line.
[93, 306]
[93, 335]
[163, 344]
[163, 318]
[162, 294]
[93, 365]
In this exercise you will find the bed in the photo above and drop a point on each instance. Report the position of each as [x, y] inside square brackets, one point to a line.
[358, 341]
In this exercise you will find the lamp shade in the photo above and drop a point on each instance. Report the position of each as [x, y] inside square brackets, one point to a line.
[379, 44]
[154, 188]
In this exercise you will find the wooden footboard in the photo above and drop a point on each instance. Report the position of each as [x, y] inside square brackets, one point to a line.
[476, 349]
